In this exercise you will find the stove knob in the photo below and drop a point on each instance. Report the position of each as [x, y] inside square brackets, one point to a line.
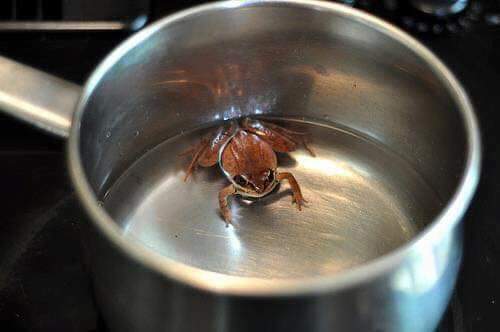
[439, 8]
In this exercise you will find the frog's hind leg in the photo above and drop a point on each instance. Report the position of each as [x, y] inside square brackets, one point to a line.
[205, 153]
[196, 152]
[211, 154]
[296, 136]
[281, 139]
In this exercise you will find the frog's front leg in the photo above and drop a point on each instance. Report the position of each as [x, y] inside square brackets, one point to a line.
[224, 195]
[297, 194]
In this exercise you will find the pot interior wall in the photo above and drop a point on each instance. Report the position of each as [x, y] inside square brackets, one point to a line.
[374, 108]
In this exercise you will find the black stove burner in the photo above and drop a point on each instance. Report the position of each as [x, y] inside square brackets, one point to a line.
[43, 283]
[47, 287]
[434, 17]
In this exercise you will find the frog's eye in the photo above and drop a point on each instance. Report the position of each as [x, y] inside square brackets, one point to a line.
[240, 180]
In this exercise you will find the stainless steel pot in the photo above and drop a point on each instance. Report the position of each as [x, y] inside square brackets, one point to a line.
[378, 248]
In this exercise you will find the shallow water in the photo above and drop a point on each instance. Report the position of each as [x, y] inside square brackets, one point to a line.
[364, 201]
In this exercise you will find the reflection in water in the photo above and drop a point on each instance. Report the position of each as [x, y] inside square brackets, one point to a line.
[326, 166]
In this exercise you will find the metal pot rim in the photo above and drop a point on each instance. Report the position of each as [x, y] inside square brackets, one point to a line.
[243, 286]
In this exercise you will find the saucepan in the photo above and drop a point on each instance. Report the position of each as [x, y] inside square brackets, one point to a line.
[397, 160]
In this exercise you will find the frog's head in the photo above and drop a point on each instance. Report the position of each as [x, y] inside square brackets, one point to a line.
[256, 184]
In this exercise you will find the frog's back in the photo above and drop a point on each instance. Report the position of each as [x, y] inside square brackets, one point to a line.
[247, 153]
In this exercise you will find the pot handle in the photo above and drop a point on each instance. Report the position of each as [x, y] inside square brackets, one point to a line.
[36, 97]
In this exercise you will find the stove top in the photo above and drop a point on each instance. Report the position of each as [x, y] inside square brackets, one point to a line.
[43, 284]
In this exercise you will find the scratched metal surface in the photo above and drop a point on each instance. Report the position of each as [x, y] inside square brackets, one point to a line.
[364, 202]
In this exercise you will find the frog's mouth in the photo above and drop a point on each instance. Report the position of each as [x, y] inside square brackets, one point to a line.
[247, 189]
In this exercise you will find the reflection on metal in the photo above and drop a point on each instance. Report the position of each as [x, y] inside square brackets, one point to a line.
[31, 110]
[69, 26]
[36, 97]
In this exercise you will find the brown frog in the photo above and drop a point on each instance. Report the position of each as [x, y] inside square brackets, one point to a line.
[245, 152]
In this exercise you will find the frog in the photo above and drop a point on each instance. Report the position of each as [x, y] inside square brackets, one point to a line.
[245, 151]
